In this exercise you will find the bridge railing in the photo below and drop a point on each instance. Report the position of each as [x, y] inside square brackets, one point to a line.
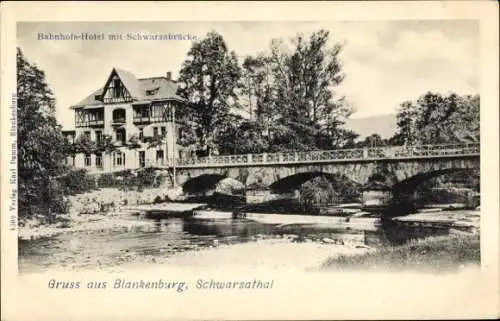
[371, 153]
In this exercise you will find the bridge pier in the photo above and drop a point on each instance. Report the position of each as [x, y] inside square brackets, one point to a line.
[401, 204]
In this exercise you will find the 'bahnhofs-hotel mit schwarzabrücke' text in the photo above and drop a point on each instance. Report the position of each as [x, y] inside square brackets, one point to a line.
[114, 36]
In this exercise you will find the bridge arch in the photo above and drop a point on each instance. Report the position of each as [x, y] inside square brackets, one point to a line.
[294, 181]
[212, 182]
[202, 183]
[408, 185]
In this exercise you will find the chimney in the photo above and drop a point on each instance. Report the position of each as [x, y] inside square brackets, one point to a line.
[169, 75]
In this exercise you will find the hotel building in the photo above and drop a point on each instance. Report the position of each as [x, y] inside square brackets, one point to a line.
[129, 109]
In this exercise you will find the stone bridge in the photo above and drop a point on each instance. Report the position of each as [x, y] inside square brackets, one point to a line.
[403, 166]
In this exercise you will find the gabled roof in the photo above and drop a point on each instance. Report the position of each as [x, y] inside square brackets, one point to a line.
[90, 100]
[130, 82]
[163, 89]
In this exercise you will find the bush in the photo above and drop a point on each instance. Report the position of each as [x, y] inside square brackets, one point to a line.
[321, 191]
[43, 197]
[122, 179]
[317, 192]
[146, 177]
[77, 181]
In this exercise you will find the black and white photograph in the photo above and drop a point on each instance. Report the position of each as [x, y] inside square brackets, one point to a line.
[256, 143]
[312, 147]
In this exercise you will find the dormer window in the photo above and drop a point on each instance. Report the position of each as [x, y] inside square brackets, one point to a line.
[151, 92]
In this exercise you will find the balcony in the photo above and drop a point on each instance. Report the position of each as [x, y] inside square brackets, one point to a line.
[117, 100]
[118, 121]
[147, 119]
[90, 123]
[142, 119]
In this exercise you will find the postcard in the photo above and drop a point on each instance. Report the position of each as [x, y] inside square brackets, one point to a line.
[255, 160]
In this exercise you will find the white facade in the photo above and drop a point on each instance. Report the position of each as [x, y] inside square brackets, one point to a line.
[128, 109]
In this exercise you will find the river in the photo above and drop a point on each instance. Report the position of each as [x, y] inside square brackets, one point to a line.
[152, 240]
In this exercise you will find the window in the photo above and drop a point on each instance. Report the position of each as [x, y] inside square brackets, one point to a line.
[159, 156]
[151, 92]
[121, 135]
[119, 159]
[141, 133]
[157, 113]
[142, 158]
[98, 136]
[179, 133]
[141, 112]
[117, 86]
[155, 132]
[163, 131]
[88, 160]
[119, 115]
[98, 160]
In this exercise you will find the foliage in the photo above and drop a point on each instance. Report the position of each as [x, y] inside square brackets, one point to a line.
[122, 179]
[317, 192]
[146, 177]
[289, 93]
[132, 179]
[41, 145]
[154, 141]
[322, 191]
[257, 88]
[83, 144]
[106, 144]
[374, 140]
[438, 119]
[187, 135]
[243, 138]
[208, 80]
[304, 79]
[77, 181]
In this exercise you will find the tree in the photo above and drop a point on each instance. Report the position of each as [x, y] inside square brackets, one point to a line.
[374, 140]
[437, 119]
[304, 79]
[317, 192]
[208, 80]
[244, 137]
[83, 144]
[257, 85]
[41, 145]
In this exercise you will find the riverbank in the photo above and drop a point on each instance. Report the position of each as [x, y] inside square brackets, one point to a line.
[432, 254]
[110, 208]
[97, 210]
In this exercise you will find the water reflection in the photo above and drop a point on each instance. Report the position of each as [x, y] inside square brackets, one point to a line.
[148, 239]
[399, 233]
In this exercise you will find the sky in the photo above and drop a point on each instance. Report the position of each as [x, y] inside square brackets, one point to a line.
[385, 63]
